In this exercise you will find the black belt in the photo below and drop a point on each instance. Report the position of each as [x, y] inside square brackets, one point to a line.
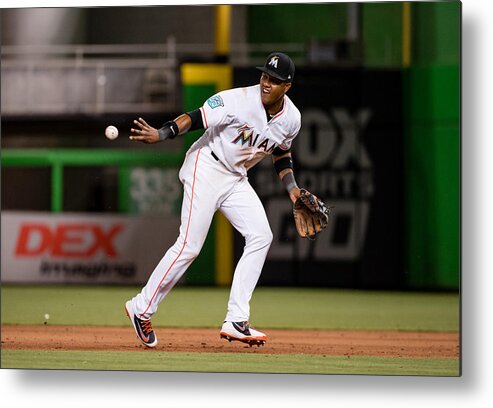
[214, 155]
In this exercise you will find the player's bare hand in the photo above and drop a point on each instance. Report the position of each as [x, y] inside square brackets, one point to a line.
[143, 132]
[294, 194]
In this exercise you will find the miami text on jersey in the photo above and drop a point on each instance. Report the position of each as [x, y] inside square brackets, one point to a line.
[246, 135]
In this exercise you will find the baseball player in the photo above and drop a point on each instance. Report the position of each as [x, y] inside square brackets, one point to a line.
[242, 126]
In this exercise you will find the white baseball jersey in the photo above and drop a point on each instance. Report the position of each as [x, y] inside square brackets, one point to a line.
[239, 135]
[238, 132]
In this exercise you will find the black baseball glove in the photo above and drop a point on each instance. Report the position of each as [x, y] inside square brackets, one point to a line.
[311, 215]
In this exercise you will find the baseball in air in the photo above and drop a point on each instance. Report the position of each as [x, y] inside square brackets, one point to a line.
[111, 132]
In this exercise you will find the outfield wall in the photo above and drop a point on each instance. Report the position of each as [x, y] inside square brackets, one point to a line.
[85, 249]
[395, 192]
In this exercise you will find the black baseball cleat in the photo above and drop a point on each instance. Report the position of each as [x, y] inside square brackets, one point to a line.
[242, 331]
[143, 328]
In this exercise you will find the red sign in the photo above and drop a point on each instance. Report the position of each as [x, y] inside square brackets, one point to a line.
[67, 240]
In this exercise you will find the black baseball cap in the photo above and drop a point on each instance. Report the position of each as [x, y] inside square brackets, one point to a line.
[280, 66]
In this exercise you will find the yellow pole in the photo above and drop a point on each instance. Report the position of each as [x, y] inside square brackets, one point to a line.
[222, 29]
[224, 231]
[406, 34]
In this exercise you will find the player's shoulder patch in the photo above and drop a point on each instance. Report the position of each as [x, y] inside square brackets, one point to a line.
[215, 101]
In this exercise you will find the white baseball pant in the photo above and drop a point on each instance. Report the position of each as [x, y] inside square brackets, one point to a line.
[208, 187]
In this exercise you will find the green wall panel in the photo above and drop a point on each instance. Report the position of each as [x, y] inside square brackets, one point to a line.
[433, 177]
[436, 32]
[382, 34]
[434, 94]
[447, 189]
[296, 22]
[432, 111]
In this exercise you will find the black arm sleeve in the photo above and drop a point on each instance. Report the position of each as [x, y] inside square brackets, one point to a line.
[282, 164]
[279, 152]
[196, 117]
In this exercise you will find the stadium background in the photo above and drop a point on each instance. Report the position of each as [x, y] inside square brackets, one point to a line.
[378, 87]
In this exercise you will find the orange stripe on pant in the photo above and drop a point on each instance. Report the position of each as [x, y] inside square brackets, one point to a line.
[184, 241]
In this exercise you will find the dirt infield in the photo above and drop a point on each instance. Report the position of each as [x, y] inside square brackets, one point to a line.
[318, 342]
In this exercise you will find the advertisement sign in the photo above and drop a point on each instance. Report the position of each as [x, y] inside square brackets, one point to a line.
[348, 153]
[154, 191]
[76, 248]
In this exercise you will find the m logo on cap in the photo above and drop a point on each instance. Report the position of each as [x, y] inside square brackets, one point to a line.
[273, 61]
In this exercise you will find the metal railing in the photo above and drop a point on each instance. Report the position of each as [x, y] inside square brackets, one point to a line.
[89, 79]
[98, 79]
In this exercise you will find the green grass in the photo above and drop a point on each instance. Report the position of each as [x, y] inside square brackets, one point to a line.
[214, 362]
[206, 307]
